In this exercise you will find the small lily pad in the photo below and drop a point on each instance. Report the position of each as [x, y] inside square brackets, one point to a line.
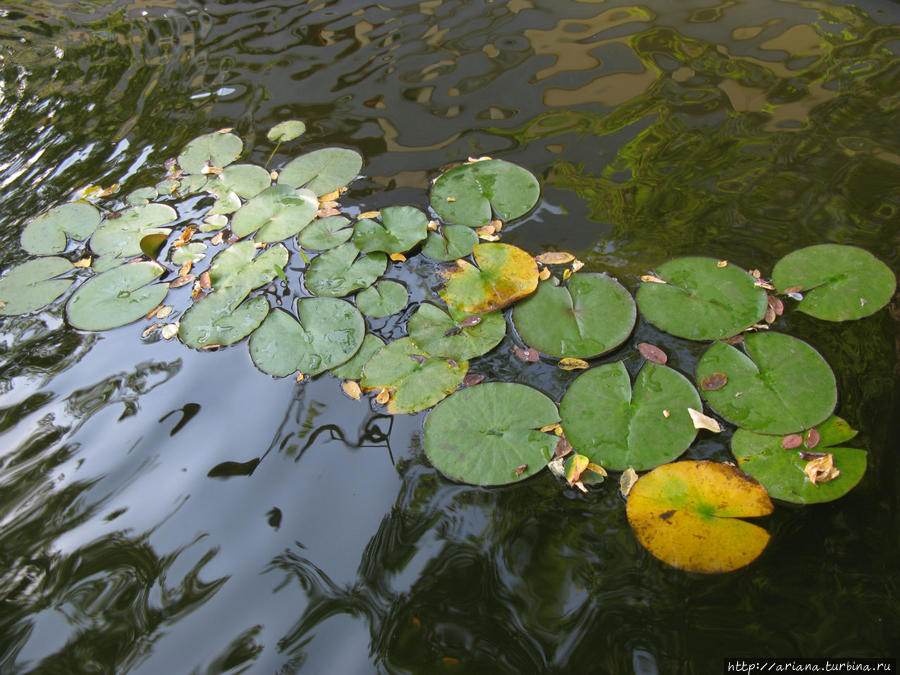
[236, 267]
[215, 149]
[193, 252]
[322, 171]
[116, 297]
[440, 335]
[278, 212]
[618, 426]
[471, 194]
[383, 299]
[401, 228]
[121, 237]
[46, 233]
[225, 204]
[338, 272]
[245, 180]
[353, 369]
[504, 274]
[702, 300]
[324, 233]
[452, 242]
[485, 434]
[782, 473]
[286, 131]
[838, 283]
[415, 379]
[31, 285]
[141, 196]
[688, 514]
[776, 385]
[590, 315]
[222, 318]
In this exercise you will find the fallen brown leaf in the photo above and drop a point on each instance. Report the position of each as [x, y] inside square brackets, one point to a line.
[530, 355]
[821, 469]
[714, 382]
[792, 441]
[627, 480]
[521, 469]
[812, 439]
[181, 281]
[652, 279]
[471, 379]
[653, 353]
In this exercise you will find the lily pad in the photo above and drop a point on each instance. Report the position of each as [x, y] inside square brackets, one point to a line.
[141, 196]
[382, 299]
[121, 237]
[782, 473]
[193, 252]
[415, 379]
[440, 335]
[226, 203]
[401, 228]
[778, 385]
[618, 426]
[278, 212]
[838, 282]
[504, 274]
[235, 266]
[245, 180]
[353, 369]
[286, 131]
[324, 233]
[329, 332]
[485, 434]
[687, 514]
[471, 194]
[116, 297]
[590, 315]
[222, 318]
[31, 285]
[338, 272]
[702, 300]
[322, 171]
[46, 233]
[216, 149]
[453, 241]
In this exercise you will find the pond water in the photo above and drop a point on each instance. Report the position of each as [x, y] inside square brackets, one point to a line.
[165, 510]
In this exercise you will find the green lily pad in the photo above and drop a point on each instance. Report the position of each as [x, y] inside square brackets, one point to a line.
[31, 285]
[838, 283]
[416, 380]
[235, 266]
[329, 332]
[219, 149]
[590, 315]
[141, 196]
[401, 228]
[687, 514]
[245, 180]
[192, 252]
[222, 318]
[504, 274]
[192, 183]
[353, 369]
[121, 237]
[452, 242]
[383, 299]
[116, 297]
[286, 131]
[322, 171]
[337, 272]
[439, 334]
[700, 300]
[782, 472]
[490, 434]
[471, 194]
[226, 203]
[278, 212]
[779, 385]
[618, 426]
[46, 233]
[324, 233]
[214, 222]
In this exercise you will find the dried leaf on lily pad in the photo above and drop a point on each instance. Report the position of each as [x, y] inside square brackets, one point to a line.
[116, 297]
[31, 285]
[504, 274]
[482, 434]
[653, 353]
[791, 441]
[439, 335]
[688, 515]
[821, 469]
[714, 381]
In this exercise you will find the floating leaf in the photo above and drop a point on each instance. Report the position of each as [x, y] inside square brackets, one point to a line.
[839, 282]
[430, 325]
[451, 243]
[618, 426]
[322, 171]
[471, 194]
[504, 274]
[152, 244]
[245, 180]
[779, 385]
[483, 434]
[338, 272]
[401, 228]
[653, 353]
[116, 297]
[627, 480]
[31, 285]
[701, 421]
[222, 318]
[286, 131]
[415, 386]
[141, 196]
[570, 363]
[528, 355]
[554, 258]
[46, 233]
[383, 299]
[714, 381]
[352, 389]
[193, 252]
[277, 212]
[701, 301]
[325, 233]
[353, 369]
[121, 237]
[236, 267]
[687, 515]
[225, 204]
[591, 315]
[215, 149]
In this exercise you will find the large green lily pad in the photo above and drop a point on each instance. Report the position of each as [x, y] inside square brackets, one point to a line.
[590, 315]
[120, 237]
[618, 426]
[339, 271]
[383, 299]
[324, 233]
[218, 149]
[245, 180]
[221, 318]
[490, 434]
[776, 385]
[352, 369]
[322, 171]
[701, 300]
[277, 212]
[688, 513]
[329, 332]
[838, 282]
[31, 285]
[415, 379]
[504, 274]
[472, 193]
[452, 242]
[116, 297]
[236, 267]
[782, 473]
[438, 334]
[401, 228]
[46, 233]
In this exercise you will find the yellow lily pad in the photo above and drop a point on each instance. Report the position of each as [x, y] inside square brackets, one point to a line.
[504, 274]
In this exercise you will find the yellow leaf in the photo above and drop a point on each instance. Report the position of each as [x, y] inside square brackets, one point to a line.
[577, 467]
[497, 224]
[273, 175]
[821, 469]
[218, 239]
[472, 160]
[432, 225]
[550, 427]
[567, 274]
[652, 279]
[84, 262]
[368, 214]
[326, 213]
[722, 263]
[666, 414]
[210, 170]
[224, 130]
[488, 237]
[451, 199]
[555, 258]
[544, 274]
[164, 311]
[398, 257]
[702, 421]
[300, 377]
[383, 397]
[351, 388]
[327, 204]
[150, 329]
[185, 269]
[153, 312]
[577, 265]
[627, 480]
[569, 363]
[169, 331]
[331, 196]
[112, 189]
[596, 468]
[485, 229]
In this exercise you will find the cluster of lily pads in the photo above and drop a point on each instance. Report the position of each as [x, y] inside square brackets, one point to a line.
[777, 389]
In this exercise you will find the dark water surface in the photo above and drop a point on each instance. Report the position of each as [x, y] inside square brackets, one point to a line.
[168, 511]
